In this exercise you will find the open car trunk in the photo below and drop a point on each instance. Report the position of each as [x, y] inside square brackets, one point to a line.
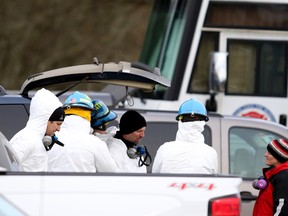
[135, 75]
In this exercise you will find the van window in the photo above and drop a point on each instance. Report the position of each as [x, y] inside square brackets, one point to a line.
[257, 68]
[249, 16]
[247, 147]
[199, 80]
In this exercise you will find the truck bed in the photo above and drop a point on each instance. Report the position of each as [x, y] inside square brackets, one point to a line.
[43, 194]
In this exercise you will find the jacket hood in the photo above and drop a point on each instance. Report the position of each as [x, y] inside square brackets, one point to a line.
[270, 171]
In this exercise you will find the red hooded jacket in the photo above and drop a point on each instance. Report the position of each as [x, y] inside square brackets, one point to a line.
[274, 198]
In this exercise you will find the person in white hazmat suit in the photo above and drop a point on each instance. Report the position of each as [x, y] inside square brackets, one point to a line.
[100, 118]
[46, 117]
[83, 152]
[188, 153]
[124, 146]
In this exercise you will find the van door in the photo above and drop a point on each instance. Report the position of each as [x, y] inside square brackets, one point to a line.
[256, 75]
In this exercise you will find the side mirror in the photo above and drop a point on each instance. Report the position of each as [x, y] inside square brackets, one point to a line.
[218, 72]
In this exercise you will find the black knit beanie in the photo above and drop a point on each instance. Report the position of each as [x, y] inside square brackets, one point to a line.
[131, 121]
[58, 115]
[279, 149]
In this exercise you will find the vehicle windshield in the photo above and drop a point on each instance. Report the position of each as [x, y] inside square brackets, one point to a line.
[163, 36]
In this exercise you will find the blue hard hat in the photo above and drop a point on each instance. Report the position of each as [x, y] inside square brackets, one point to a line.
[78, 99]
[101, 115]
[192, 108]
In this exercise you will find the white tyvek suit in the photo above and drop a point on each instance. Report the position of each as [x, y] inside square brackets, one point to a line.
[82, 151]
[118, 151]
[27, 143]
[188, 153]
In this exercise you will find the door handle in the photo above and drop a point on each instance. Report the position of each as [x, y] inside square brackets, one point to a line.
[247, 196]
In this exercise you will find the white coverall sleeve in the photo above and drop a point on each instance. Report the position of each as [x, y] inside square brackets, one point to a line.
[156, 168]
[103, 161]
[21, 147]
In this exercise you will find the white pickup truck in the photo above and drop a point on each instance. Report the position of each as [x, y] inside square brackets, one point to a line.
[239, 142]
[46, 194]
[110, 194]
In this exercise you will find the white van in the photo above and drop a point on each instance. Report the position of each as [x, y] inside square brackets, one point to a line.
[252, 36]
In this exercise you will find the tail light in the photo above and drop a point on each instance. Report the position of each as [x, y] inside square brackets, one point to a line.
[224, 206]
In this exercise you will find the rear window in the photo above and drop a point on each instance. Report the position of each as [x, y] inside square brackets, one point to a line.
[12, 119]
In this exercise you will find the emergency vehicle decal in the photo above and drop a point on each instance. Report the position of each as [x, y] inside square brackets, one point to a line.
[255, 111]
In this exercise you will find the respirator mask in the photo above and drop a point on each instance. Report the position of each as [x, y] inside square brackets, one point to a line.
[259, 183]
[141, 152]
[49, 141]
